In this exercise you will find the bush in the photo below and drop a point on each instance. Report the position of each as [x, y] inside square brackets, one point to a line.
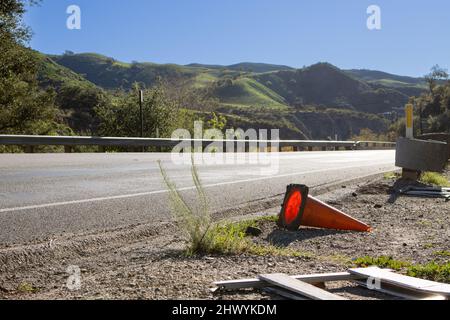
[196, 221]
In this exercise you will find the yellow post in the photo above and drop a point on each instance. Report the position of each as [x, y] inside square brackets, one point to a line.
[409, 121]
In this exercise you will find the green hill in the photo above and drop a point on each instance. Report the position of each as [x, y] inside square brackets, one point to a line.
[407, 85]
[315, 102]
[111, 74]
[256, 84]
[53, 74]
[247, 92]
[325, 84]
[244, 66]
[258, 67]
[75, 95]
[373, 75]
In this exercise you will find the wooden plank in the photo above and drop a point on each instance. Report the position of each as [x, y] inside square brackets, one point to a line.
[300, 287]
[284, 293]
[402, 281]
[309, 278]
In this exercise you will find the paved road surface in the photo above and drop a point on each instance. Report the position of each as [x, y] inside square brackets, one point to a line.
[42, 195]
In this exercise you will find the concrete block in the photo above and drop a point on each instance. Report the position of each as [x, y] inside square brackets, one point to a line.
[444, 137]
[421, 155]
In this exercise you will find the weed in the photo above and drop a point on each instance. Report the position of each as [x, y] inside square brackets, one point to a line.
[431, 271]
[434, 178]
[391, 175]
[194, 221]
[382, 262]
[428, 245]
[445, 254]
[26, 287]
[231, 238]
[206, 237]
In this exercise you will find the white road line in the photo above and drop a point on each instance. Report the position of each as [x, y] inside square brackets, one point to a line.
[133, 195]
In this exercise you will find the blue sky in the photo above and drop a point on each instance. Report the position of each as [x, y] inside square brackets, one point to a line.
[414, 34]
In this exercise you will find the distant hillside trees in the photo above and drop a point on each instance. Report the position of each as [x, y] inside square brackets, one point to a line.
[24, 107]
[366, 134]
[433, 108]
[77, 104]
[436, 74]
[121, 115]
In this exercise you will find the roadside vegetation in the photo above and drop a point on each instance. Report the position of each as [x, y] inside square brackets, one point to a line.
[435, 178]
[435, 271]
[205, 236]
[195, 221]
[25, 108]
[432, 107]
[236, 238]
[430, 178]
[391, 175]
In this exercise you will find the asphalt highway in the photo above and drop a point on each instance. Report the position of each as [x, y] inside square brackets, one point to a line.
[44, 195]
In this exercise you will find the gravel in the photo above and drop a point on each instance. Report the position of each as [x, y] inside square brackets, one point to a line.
[147, 261]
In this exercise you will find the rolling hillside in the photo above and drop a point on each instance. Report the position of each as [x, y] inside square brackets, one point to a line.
[304, 103]
[327, 85]
[266, 85]
[248, 92]
[407, 85]
[111, 74]
[245, 66]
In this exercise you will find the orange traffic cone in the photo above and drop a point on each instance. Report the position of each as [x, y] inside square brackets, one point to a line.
[301, 209]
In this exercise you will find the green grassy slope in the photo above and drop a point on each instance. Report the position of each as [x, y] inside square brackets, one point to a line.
[53, 74]
[373, 75]
[250, 95]
[243, 84]
[75, 95]
[327, 85]
[407, 85]
[111, 74]
[248, 92]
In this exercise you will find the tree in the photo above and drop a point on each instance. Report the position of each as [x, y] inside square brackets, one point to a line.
[217, 121]
[365, 134]
[188, 97]
[78, 102]
[24, 107]
[436, 74]
[121, 117]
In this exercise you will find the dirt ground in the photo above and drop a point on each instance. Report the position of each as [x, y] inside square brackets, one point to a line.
[147, 261]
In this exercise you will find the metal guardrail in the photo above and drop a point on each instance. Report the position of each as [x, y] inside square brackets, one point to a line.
[70, 141]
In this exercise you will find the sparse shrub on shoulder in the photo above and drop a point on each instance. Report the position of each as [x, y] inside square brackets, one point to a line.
[195, 221]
